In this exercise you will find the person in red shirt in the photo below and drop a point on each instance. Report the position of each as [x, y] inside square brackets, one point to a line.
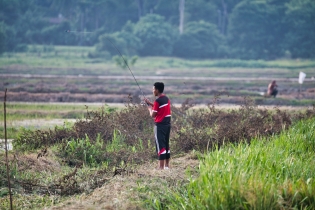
[160, 110]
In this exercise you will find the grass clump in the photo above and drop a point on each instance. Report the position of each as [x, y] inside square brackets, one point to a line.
[29, 201]
[275, 173]
[85, 150]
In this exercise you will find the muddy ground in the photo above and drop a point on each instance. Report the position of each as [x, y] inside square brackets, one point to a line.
[116, 90]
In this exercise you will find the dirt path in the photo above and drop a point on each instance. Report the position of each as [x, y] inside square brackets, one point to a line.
[121, 193]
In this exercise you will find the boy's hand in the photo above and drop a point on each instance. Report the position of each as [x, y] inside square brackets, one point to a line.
[148, 102]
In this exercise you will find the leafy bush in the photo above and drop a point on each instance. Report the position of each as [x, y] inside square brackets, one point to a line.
[156, 35]
[205, 130]
[31, 140]
[84, 150]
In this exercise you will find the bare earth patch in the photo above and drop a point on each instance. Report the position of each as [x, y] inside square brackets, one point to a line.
[120, 192]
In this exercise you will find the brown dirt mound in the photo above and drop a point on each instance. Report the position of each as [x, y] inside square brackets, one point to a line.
[119, 192]
[34, 162]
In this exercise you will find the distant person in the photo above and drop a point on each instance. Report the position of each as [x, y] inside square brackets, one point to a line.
[160, 110]
[272, 89]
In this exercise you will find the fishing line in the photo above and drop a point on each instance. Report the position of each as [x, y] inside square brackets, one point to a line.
[68, 31]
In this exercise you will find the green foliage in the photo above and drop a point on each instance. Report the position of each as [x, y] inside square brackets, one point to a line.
[85, 150]
[200, 10]
[267, 174]
[25, 201]
[54, 35]
[199, 40]
[156, 34]
[2, 38]
[123, 41]
[11, 40]
[28, 139]
[117, 142]
[299, 39]
[123, 62]
[266, 29]
[9, 11]
[257, 30]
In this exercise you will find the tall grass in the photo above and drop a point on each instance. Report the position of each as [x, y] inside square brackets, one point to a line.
[267, 174]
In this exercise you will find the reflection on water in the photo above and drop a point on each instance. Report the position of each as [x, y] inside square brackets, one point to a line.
[2, 145]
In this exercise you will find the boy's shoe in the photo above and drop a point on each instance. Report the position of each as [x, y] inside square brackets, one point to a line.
[166, 168]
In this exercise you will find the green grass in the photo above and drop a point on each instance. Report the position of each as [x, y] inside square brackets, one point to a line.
[32, 201]
[61, 60]
[275, 173]
[168, 62]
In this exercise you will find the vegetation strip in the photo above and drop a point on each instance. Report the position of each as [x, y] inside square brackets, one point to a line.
[274, 173]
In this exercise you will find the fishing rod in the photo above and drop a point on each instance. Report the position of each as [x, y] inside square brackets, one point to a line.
[68, 31]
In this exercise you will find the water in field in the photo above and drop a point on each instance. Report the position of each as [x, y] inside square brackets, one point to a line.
[2, 145]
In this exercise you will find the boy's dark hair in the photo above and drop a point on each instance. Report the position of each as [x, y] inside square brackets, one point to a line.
[159, 86]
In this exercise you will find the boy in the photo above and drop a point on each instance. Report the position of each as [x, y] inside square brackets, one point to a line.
[160, 110]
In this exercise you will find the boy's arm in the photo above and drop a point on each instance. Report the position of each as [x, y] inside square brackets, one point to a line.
[152, 113]
[154, 109]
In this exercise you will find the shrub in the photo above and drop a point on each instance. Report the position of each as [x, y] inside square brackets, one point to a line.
[84, 150]
[206, 129]
[198, 129]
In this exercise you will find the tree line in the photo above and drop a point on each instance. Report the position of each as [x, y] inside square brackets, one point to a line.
[242, 29]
